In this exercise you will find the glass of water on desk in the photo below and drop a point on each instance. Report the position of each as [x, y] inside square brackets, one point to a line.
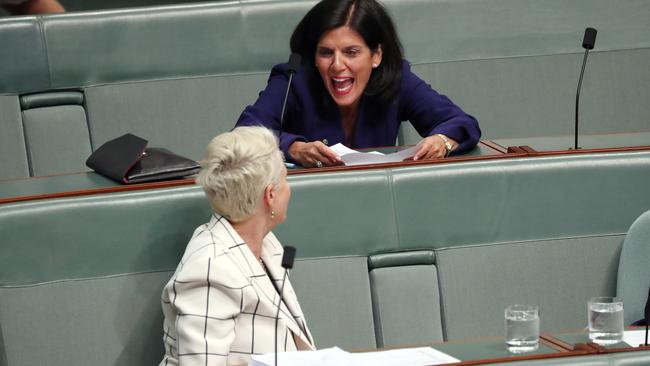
[522, 328]
[605, 320]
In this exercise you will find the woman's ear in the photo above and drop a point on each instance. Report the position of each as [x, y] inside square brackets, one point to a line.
[269, 195]
[376, 56]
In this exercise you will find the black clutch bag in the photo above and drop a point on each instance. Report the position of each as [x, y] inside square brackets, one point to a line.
[127, 159]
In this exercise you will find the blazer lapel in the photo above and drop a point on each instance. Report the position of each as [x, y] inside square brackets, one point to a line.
[249, 266]
[290, 310]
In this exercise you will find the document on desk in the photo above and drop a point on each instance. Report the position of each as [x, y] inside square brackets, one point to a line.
[634, 338]
[335, 356]
[353, 157]
[421, 356]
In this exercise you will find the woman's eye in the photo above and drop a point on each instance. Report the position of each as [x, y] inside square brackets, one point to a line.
[324, 52]
[352, 52]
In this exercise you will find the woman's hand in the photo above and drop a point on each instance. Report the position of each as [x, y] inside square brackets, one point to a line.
[434, 147]
[313, 154]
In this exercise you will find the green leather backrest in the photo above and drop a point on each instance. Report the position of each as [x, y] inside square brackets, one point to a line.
[13, 153]
[56, 132]
[104, 321]
[560, 275]
[335, 295]
[633, 278]
[405, 298]
[520, 199]
[96, 236]
[338, 214]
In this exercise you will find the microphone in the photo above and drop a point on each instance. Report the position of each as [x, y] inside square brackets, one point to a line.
[287, 263]
[294, 65]
[588, 43]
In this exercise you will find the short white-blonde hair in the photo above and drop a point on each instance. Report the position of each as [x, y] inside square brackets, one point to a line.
[237, 168]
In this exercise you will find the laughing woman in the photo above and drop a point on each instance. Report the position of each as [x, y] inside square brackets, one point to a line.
[355, 88]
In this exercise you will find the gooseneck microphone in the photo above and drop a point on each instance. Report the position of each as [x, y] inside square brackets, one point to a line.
[588, 43]
[287, 263]
[294, 65]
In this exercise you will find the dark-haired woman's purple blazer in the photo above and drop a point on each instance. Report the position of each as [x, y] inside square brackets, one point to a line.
[307, 120]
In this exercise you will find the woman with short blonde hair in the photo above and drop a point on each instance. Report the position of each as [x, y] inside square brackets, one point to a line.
[236, 167]
[220, 305]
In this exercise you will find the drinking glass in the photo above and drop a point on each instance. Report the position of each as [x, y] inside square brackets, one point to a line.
[522, 328]
[605, 320]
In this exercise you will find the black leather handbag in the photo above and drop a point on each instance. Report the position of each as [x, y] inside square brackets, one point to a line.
[127, 160]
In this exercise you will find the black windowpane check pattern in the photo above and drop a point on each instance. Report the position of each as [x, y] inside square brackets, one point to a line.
[220, 304]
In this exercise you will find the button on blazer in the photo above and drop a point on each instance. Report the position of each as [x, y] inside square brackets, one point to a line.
[220, 304]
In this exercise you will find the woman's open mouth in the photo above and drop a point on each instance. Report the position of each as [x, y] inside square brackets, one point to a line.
[342, 85]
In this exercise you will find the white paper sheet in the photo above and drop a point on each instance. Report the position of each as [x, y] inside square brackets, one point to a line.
[634, 337]
[322, 357]
[422, 356]
[337, 357]
[353, 157]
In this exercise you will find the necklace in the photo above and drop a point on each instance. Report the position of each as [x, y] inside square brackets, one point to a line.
[262, 264]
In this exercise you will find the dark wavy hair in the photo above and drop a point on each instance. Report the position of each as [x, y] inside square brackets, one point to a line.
[368, 18]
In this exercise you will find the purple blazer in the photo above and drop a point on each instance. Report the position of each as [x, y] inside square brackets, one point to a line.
[311, 115]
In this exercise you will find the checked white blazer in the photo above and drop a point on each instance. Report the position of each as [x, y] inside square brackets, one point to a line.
[220, 304]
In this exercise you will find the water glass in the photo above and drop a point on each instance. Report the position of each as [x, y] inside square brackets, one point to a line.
[522, 328]
[605, 320]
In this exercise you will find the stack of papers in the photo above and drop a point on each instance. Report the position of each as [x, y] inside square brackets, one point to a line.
[353, 157]
[422, 356]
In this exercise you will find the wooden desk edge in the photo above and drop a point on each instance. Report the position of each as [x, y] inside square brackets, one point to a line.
[513, 152]
[190, 181]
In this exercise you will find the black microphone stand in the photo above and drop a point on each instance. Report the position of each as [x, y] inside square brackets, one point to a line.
[647, 316]
[588, 43]
[287, 263]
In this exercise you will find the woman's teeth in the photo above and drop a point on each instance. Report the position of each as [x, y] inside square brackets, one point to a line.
[342, 84]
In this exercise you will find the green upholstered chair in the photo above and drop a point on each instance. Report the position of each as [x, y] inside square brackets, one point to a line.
[634, 269]
[405, 298]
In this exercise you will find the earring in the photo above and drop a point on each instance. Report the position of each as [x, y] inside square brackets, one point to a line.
[272, 214]
[374, 65]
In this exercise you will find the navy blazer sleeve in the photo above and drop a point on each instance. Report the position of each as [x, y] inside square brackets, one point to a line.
[431, 113]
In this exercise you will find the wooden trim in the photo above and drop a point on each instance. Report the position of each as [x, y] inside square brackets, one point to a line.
[92, 191]
[493, 145]
[601, 349]
[408, 163]
[557, 342]
[529, 150]
[533, 152]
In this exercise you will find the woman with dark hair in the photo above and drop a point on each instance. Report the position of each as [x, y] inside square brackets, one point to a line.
[355, 88]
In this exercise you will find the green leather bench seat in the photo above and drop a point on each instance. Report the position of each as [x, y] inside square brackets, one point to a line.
[178, 75]
[386, 256]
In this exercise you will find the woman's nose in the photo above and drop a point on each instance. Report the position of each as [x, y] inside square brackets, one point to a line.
[337, 63]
